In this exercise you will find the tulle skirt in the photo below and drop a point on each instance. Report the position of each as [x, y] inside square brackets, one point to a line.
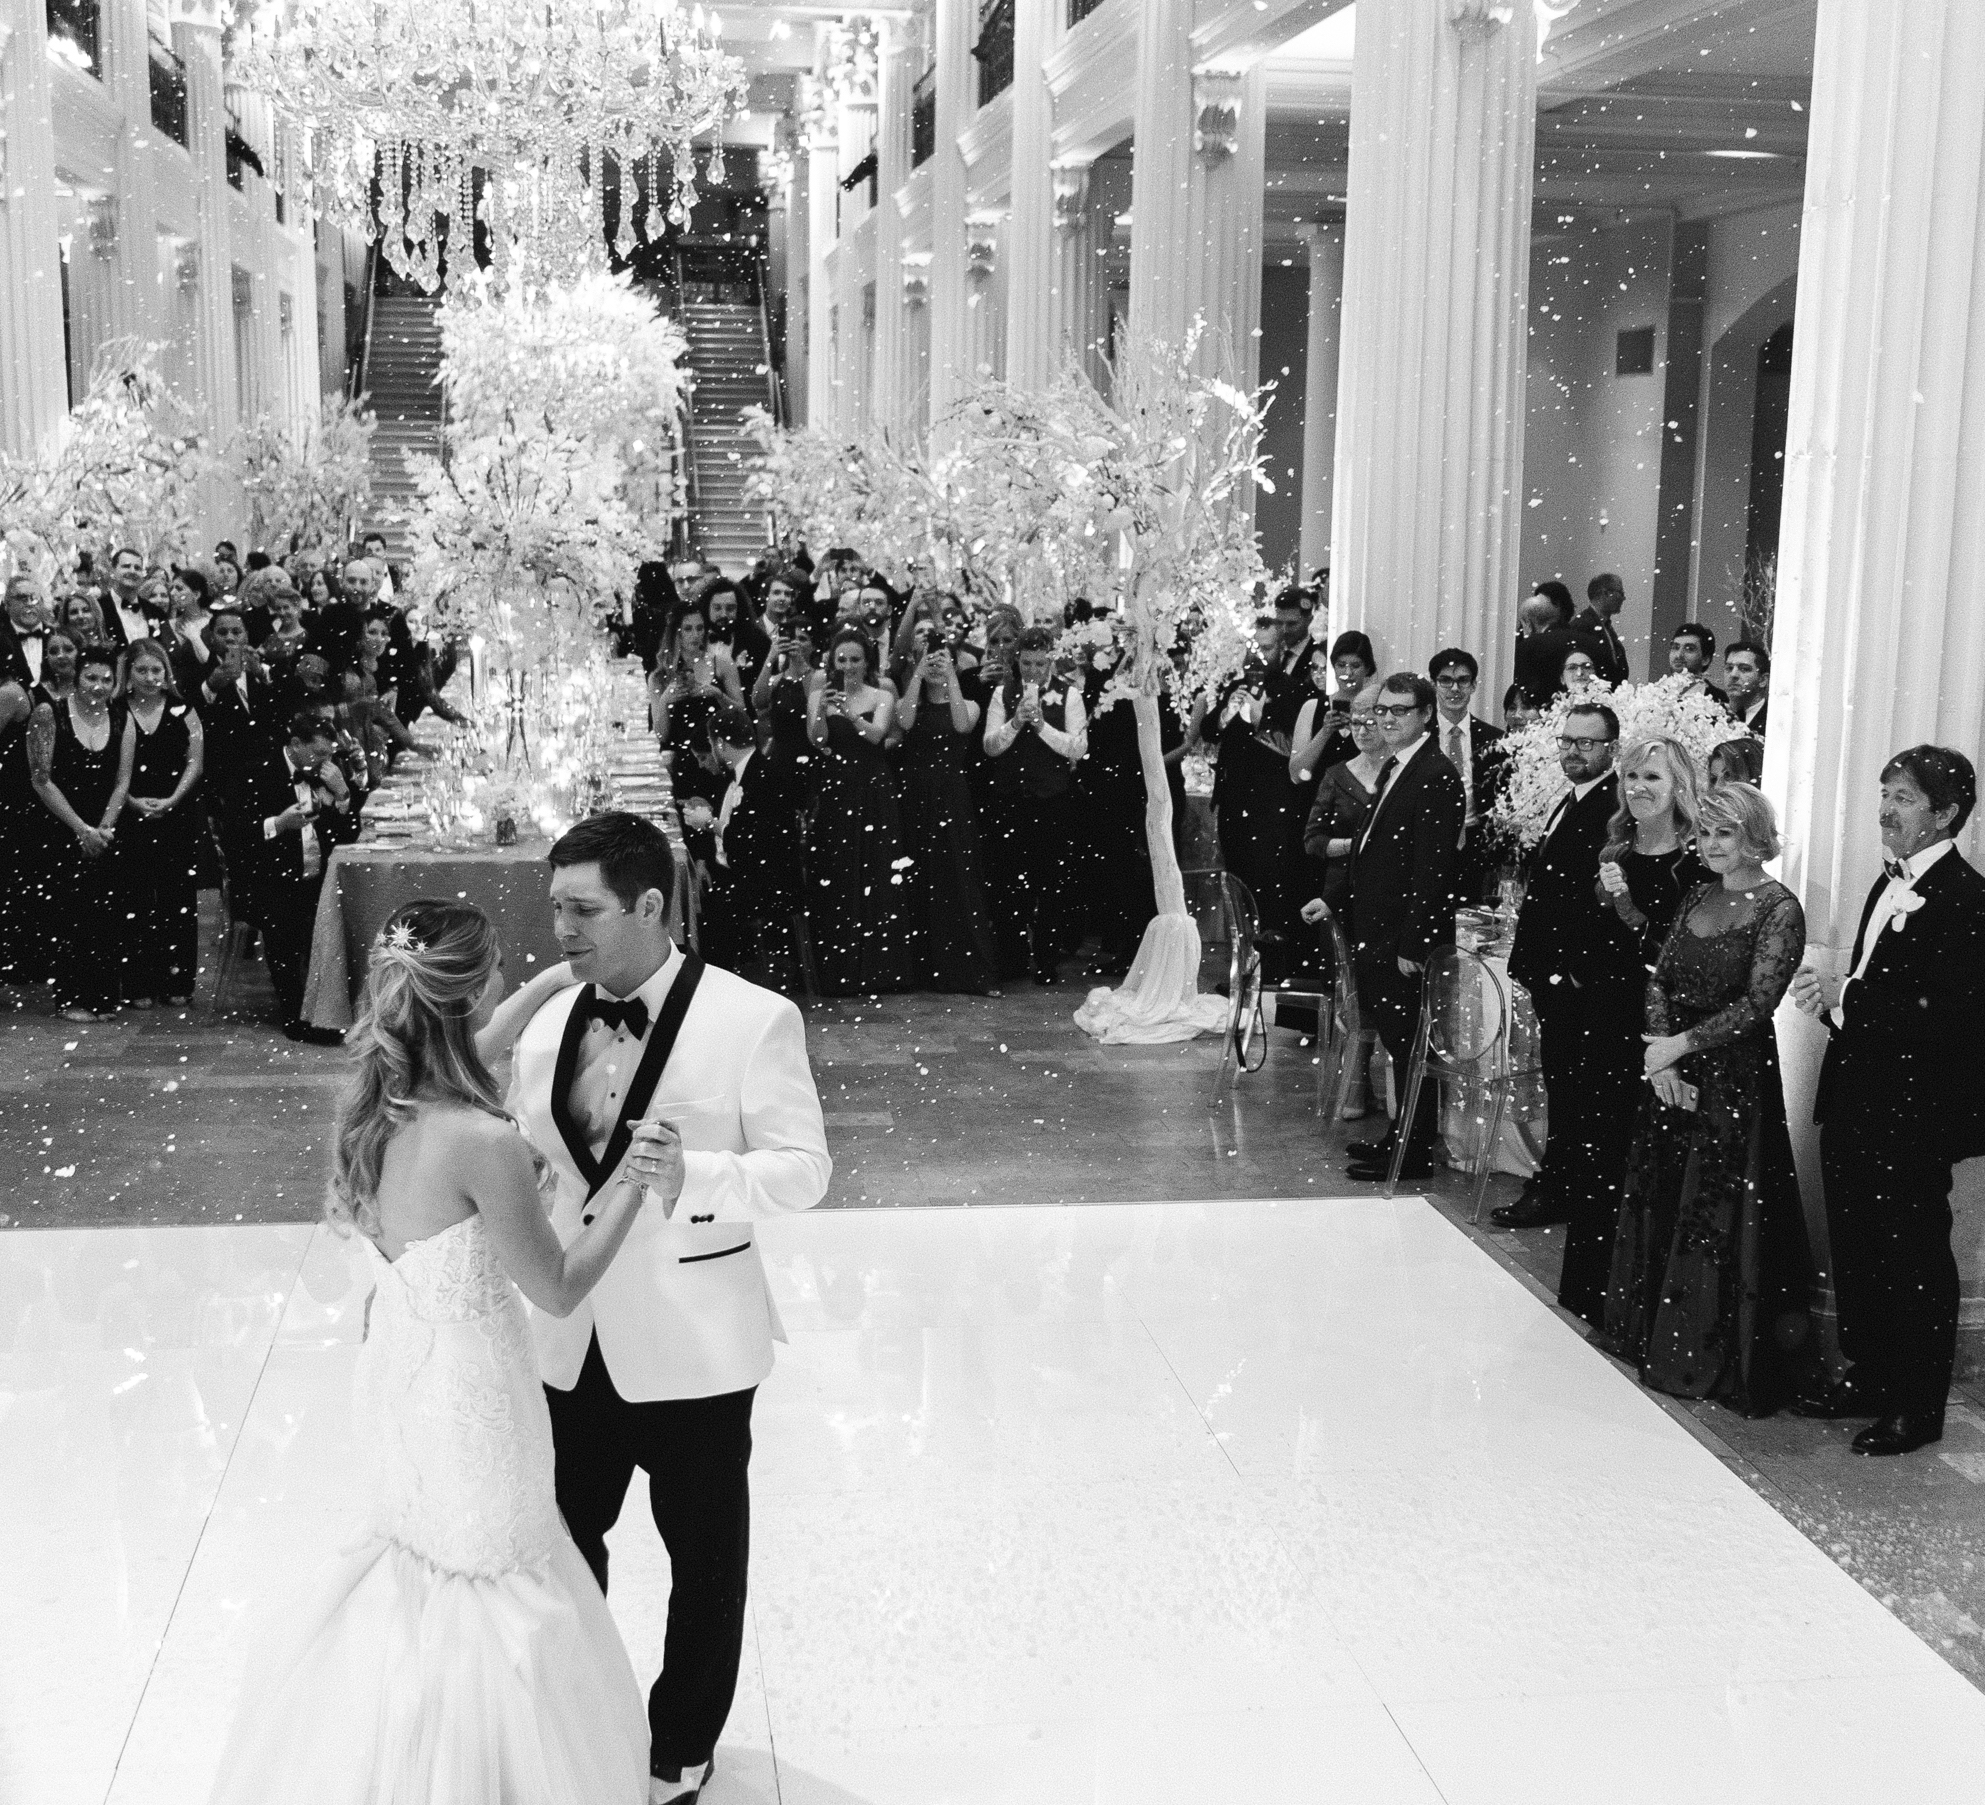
[390, 1681]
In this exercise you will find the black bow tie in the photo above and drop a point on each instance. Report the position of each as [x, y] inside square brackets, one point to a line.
[1898, 871]
[25, 637]
[631, 1015]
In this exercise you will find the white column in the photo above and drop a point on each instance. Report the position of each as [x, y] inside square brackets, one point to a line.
[199, 46]
[957, 100]
[1074, 295]
[1325, 251]
[135, 307]
[799, 285]
[1429, 468]
[822, 153]
[897, 73]
[34, 381]
[985, 296]
[1033, 347]
[1229, 170]
[1161, 286]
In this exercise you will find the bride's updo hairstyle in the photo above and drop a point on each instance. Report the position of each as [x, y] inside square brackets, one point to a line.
[414, 1042]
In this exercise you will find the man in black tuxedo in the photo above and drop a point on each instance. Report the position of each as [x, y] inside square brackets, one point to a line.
[1473, 748]
[1543, 643]
[1402, 900]
[1900, 1103]
[20, 632]
[754, 890]
[240, 708]
[1593, 627]
[284, 817]
[1690, 654]
[1587, 989]
[1748, 667]
[730, 626]
[125, 618]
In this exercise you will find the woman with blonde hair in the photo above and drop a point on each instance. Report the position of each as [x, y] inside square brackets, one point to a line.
[460, 1653]
[1710, 1271]
[1649, 863]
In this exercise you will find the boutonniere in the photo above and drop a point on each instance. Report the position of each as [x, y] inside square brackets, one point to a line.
[1903, 903]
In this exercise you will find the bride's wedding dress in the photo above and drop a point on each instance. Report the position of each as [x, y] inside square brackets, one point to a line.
[460, 1652]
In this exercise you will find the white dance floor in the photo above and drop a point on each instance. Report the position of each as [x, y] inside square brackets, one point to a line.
[1132, 1505]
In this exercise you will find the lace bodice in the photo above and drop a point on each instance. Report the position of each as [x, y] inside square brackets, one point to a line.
[1722, 986]
[449, 1405]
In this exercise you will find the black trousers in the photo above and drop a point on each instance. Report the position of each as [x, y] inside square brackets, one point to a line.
[1032, 868]
[287, 914]
[1888, 1213]
[697, 1454]
[1389, 1001]
[1592, 1056]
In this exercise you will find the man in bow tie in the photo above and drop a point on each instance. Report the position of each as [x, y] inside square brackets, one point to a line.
[1899, 1104]
[658, 1367]
[20, 632]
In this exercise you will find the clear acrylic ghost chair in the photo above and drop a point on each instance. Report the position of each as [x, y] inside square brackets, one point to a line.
[1477, 1038]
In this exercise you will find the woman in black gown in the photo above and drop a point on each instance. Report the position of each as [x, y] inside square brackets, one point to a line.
[1649, 863]
[159, 847]
[1711, 1274]
[940, 820]
[861, 893]
[82, 771]
[21, 817]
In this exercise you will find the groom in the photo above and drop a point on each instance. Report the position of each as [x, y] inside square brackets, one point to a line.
[657, 1368]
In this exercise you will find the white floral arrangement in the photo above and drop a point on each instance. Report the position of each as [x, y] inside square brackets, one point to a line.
[126, 468]
[309, 490]
[1675, 706]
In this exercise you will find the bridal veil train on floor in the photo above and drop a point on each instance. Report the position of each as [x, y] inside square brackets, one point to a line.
[460, 1653]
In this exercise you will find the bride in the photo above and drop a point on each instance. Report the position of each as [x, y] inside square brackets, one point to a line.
[460, 1652]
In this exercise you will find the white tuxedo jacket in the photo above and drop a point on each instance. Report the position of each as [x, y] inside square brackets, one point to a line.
[683, 1311]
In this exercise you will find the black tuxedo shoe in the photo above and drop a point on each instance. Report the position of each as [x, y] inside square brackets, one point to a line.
[1365, 1152]
[1899, 1434]
[1842, 1398]
[314, 1036]
[1377, 1171]
[1534, 1209]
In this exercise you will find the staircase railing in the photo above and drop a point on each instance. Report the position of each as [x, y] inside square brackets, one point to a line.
[693, 515]
[355, 383]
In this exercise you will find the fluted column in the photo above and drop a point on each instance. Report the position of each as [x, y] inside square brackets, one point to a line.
[34, 381]
[1229, 171]
[822, 371]
[1879, 638]
[1324, 246]
[890, 382]
[199, 46]
[1161, 284]
[1429, 467]
[1074, 295]
[1033, 347]
[950, 323]
[985, 296]
[799, 285]
[134, 306]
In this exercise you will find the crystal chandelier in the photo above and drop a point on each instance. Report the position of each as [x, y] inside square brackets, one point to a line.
[503, 113]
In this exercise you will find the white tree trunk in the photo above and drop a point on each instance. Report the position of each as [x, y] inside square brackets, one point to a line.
[1159, 1000]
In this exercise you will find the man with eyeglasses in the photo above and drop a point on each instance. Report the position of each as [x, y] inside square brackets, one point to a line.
[1472, 748]
[1587, 987]
[1402, 900]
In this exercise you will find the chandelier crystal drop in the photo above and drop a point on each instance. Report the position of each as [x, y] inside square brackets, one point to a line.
[501, 113]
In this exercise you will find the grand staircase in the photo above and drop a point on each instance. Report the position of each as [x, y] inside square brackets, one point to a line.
[729, 359]
[402, 368]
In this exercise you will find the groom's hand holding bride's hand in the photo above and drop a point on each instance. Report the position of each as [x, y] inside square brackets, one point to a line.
[654, 1161]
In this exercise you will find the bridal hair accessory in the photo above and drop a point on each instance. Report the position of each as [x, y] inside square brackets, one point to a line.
[399, 938]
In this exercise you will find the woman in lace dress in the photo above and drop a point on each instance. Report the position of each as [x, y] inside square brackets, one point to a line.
[459, 1652]
[1710, 1271]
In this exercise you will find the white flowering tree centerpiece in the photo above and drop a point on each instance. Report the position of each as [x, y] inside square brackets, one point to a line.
[305, 489]
[558, 480]
[126, 468]
[1676, 706]
[1173, 488]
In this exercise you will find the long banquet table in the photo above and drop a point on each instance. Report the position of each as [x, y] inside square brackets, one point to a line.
[394, 862]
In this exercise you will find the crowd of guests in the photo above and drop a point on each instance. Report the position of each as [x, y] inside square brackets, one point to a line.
[168, 728]
[879, 794]
[1656, 950]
